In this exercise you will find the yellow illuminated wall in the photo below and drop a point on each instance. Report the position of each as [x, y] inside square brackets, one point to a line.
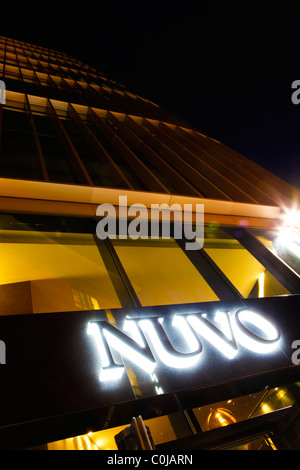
[66, 271]
[241, 268]
[161, 273]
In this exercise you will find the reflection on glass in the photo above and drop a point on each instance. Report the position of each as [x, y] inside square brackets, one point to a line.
[246, 407]
[163, 429]
[170, 427]
[262, 443]
[284, 243]
[64, 271]
[220, 418]
[227, 412]
[277, 398]
[245, 272]
[18, 153]
[161, 274]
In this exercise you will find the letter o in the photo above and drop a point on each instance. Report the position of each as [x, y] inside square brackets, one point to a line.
[254, 341]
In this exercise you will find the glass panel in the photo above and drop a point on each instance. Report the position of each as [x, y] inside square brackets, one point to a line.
[99, 171]
[117, 158]
[292, 435]
[278, 398]
[227, 412]
[146, 160]
[262, 443]
[61, 271]
[18, 157]
[284, 243]
[246, 407]
[163, 429]
[247, 274]
[174, 426]
[58, 166]
[161, 273]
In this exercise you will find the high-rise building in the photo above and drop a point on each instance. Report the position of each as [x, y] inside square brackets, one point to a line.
[199, 339]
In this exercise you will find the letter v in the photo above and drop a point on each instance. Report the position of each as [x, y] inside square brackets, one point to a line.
[224, 340]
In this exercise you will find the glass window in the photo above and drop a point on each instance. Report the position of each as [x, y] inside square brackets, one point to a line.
[284, 243]
[18, 152]
[245, 272]
[163, 429]
[99, 171]
[63, 271]
[58, 166]
[117, 158]
[161, 273]
[164, 178]
[242, 408]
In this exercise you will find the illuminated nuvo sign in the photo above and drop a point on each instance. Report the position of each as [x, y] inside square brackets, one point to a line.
[147, 341]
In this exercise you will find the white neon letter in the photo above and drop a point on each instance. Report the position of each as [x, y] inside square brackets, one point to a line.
[256, 331]
[221, 340]
[160, 343]
[107, 336]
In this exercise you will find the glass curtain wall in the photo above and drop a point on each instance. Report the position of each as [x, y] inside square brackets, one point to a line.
[63, 266]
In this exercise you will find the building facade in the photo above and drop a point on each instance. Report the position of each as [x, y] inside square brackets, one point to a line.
[202, 343]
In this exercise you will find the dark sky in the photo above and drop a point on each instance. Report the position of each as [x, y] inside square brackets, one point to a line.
[225, 67]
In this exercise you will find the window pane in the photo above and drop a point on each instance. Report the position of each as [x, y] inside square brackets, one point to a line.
[65, 271]
[284, 243]
[18, 157]
[163, 429]
[247, 274]
[99, 171]
[117, 158]
[242, 408]
[58, 166]
[161, 274]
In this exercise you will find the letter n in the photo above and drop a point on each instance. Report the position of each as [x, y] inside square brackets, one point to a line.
[108, 337]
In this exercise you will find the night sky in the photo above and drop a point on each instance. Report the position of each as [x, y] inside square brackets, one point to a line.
[226, 68]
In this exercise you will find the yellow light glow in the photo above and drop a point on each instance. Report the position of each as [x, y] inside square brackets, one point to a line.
[281, 394]
[220, 417]
[261, 285]
[266, 408]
